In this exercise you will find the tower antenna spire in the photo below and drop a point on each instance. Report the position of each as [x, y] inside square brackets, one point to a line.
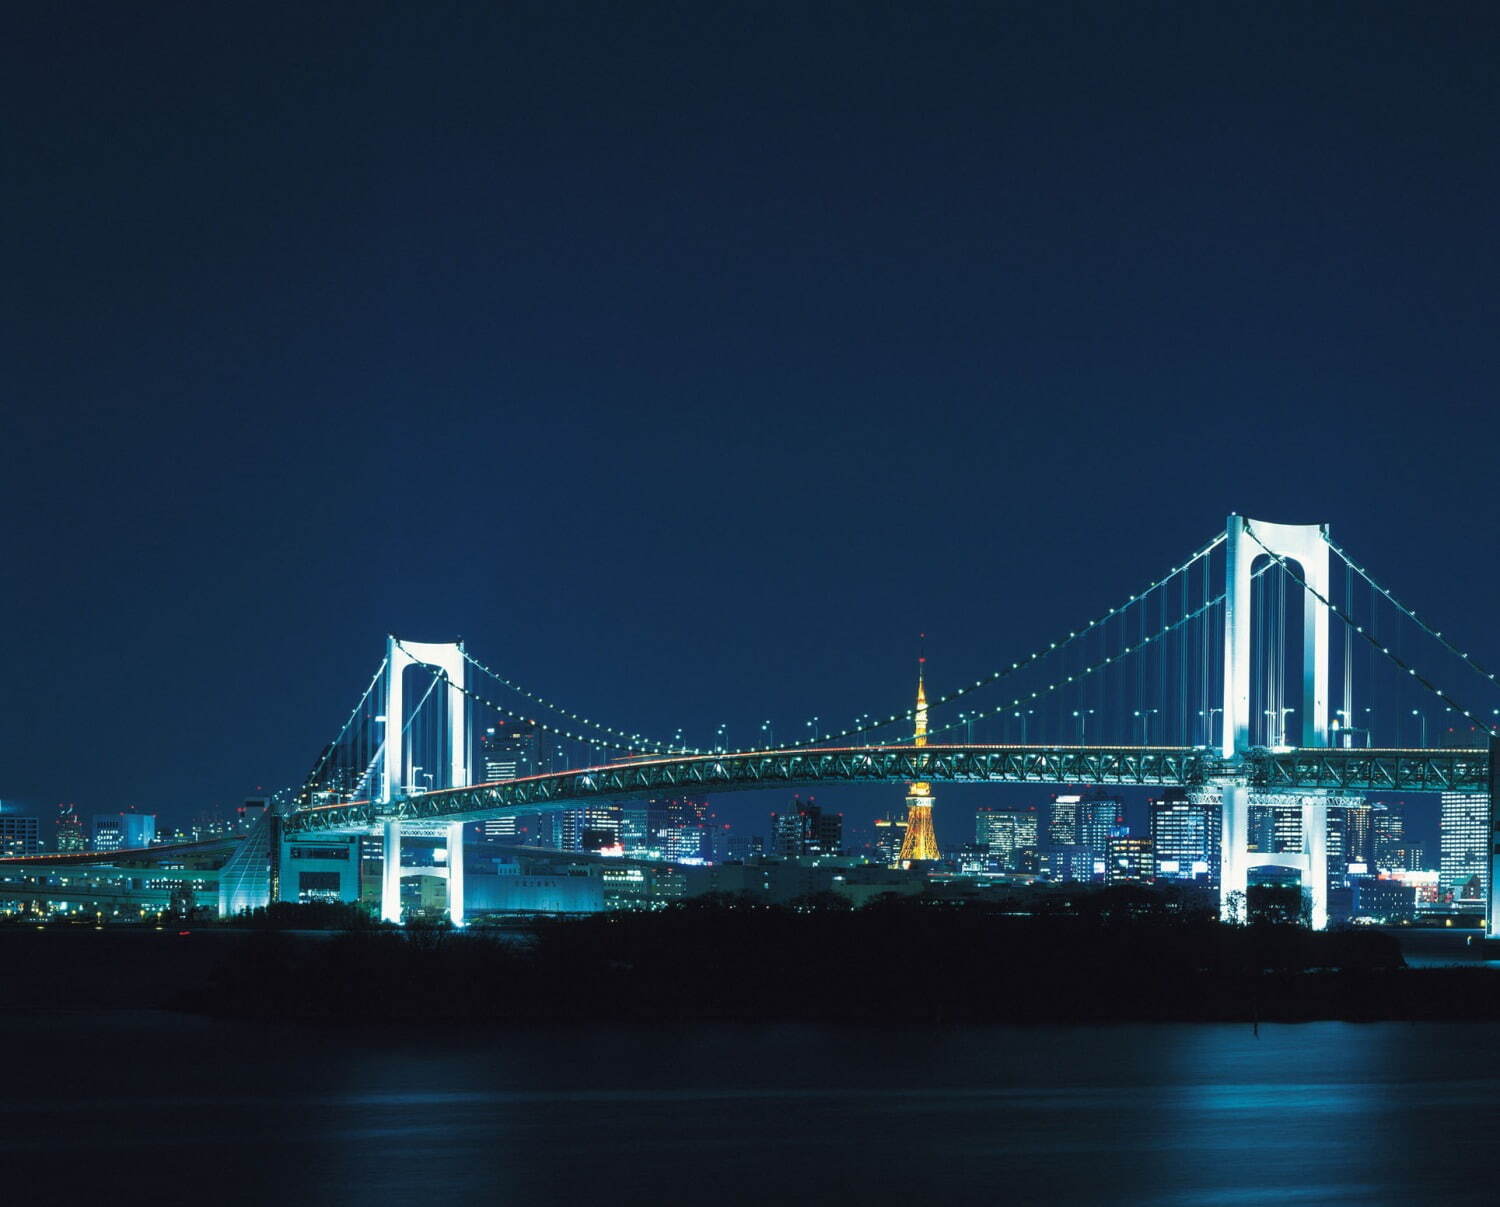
[919, 844]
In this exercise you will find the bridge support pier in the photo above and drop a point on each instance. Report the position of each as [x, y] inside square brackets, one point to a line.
[1236, 859]
[390, 873]
[1234, 867]
[456, 873]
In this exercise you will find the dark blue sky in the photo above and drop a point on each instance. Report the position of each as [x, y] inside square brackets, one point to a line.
[688, 361]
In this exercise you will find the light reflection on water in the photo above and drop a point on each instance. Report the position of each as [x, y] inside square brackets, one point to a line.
[1319, 1113]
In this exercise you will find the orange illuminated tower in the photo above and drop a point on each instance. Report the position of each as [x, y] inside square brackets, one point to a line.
[920, 842]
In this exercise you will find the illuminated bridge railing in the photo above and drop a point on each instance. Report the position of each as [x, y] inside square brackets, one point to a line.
[1121, 765]
[1372, 770]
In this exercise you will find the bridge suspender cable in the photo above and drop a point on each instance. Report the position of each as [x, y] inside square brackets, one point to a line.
[1471, 663]
[1145, 641]
[638, 744]
[1359, 629]
[1018, 666]
[633, 747]
[328, 751]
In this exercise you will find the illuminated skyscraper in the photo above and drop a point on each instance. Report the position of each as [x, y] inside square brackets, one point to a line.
[1184, 836]
[920, 841]
[1463, 869]
[507, 751]
[807, 829]
[70, 835]
[1007, 833]
[18, 831]
[123, 831]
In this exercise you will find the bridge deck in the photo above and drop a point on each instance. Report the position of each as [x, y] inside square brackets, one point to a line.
[1149, 766]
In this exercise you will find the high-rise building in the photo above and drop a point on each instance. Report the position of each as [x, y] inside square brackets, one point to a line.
[1185, 837]
[1359, 832]
[1388, 836]
[1129, 861]
[890, 833]
[689, 831]
[123, 831]
[509, 750]
[70, 835]
[1062, 821]
[1006, 833]
[919, 844]
[19, 830]
[1464, 831]
[1349, 839]
[1099, 818]
[592, 827]
[806, 829]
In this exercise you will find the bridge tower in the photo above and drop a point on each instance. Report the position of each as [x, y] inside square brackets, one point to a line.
[920, 841]
[1307, 546]
[448, 657]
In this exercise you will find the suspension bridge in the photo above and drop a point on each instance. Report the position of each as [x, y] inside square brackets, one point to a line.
[1267, 665]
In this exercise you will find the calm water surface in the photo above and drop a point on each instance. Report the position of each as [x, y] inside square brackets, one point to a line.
[158, 1108]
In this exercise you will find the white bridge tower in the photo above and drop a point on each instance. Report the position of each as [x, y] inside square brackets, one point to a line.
[1307, 546]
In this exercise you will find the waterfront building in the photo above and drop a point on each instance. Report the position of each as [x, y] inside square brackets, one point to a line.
[1185, 837]
[1383, 899]
[512, 889]
[123, 831]
[919, 844]
[1006, 833]
[1464, 831]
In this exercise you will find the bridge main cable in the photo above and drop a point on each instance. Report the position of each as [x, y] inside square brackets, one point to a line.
[1469, 661]
[607, 730]
[1149, 639]
[1033, 658]
[328, 751]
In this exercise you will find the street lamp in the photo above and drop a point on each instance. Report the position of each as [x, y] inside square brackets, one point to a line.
[722, 741]
[1021, 716]
[1208, 725]
[1421, 716]
[765, 728]
[1279, 724]
[812, 726]
[1083, 715]
[1145, 714]
[1345, 726]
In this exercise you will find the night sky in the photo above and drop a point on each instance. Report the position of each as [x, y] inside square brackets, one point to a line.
[688, 362]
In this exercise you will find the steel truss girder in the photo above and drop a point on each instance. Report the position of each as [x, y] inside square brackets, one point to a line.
[1142, 766]
[1121, 765]
[1372, 770]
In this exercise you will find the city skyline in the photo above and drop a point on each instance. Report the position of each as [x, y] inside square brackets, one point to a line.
[391, 414]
